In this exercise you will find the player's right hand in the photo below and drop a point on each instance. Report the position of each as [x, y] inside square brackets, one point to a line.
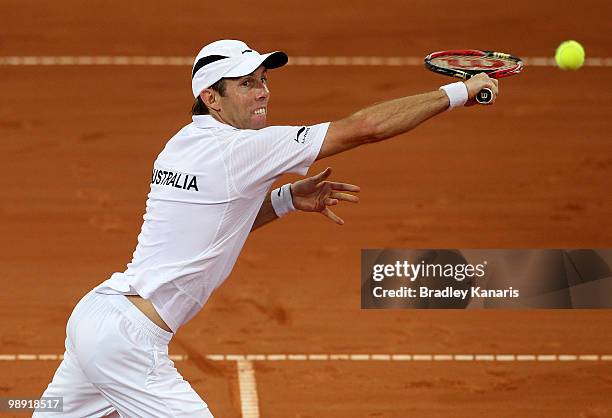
[479, 82]
[316, 194]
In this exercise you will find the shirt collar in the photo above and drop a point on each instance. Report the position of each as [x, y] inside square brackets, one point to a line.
[207, 121]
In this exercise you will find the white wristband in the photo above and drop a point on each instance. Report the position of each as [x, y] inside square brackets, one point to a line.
[457, 94]
[282, 200]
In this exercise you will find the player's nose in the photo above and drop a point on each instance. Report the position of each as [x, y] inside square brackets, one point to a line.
[263, 92]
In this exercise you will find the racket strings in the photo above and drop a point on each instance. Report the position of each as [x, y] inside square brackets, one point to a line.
[474, 63]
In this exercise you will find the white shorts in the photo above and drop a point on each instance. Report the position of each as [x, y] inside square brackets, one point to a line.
[116, 364]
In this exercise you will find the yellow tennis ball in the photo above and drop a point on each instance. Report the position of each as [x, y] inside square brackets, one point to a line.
[569, 55]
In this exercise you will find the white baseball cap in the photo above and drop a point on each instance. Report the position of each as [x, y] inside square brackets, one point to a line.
[229, 58]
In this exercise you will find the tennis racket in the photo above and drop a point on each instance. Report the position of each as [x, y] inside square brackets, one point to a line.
[465, 63]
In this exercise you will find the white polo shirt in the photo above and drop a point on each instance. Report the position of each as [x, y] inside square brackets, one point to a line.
[207, 187]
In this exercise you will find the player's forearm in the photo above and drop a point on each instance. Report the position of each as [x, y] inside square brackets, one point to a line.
[265, 215]
[382, 121]
[394, 117]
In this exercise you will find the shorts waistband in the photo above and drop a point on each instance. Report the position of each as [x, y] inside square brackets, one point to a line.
[127, 308]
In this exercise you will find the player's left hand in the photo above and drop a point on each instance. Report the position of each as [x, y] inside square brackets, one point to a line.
[478, 82]
[315, 194]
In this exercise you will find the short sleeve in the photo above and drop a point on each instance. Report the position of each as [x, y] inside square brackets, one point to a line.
[258, 157]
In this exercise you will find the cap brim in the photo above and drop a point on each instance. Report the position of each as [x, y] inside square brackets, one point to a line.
[272, 60]
[275, 59]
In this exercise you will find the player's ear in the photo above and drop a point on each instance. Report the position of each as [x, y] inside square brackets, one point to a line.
[210, 99]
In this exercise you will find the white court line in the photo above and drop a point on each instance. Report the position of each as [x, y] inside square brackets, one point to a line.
[248, 389]
[355, 357]
[274, 357]
[47, 356]
[334, 61]
[318, 357]
[249, 401]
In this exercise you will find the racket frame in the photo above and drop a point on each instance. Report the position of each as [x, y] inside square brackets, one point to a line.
[465, 74]
[485, 95]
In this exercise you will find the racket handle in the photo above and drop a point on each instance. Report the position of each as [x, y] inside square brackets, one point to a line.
[484, 96]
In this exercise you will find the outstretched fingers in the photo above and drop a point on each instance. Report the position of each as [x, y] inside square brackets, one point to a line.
[331, 215]
[344, 196]
[344, 186]
[322, 175]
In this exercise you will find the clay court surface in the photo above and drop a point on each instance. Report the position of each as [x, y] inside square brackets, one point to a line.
[533, 171]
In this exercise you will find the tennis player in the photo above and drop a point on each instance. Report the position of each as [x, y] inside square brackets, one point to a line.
[209, 189]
